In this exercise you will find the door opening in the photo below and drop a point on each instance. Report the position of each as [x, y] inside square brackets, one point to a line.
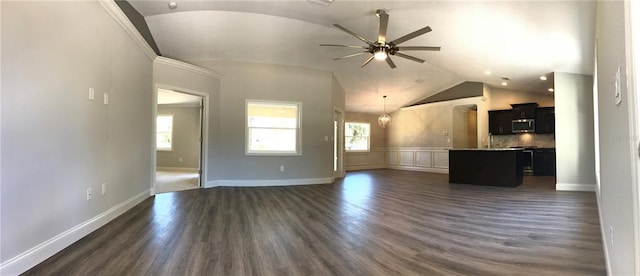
[179, 132]
[338, 144]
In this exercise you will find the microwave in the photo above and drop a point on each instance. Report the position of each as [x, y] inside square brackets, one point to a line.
[523, 125]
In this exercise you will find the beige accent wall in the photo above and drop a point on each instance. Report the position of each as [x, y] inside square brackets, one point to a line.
[432, 125]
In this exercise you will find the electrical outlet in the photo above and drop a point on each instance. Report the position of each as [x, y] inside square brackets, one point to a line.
[282, 168]
[104, 188]
[89, 194]
[180, 159]
[106, 98]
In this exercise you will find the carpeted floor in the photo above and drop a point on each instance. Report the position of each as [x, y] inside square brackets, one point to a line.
[173, 181]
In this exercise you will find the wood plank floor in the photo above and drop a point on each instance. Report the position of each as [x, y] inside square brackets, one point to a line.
[380, 222]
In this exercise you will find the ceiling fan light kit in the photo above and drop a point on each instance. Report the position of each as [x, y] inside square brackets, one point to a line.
[381, 49]
[380, 54]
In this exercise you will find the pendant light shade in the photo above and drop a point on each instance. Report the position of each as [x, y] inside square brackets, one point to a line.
[384, 120]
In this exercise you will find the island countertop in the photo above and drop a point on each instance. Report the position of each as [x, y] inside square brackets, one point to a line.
[486, 149]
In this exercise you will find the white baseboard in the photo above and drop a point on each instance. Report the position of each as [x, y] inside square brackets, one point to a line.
[32, 257]
[363, 167]
[177, 169]
[418, 169]
[266, 183]
[576, 187]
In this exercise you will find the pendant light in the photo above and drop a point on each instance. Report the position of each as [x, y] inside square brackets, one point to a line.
[384, 120]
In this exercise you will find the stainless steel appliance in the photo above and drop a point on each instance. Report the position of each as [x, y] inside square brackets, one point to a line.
[523, 125]
[527, 159]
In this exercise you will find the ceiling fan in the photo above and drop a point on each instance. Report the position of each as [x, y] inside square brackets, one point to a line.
[381, 49]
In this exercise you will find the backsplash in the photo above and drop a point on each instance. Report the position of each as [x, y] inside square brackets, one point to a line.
[523, 139]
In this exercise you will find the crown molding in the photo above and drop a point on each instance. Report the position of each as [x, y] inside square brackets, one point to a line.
[188, 67]
[112, 8]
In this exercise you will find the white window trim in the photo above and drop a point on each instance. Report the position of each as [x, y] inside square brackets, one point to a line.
[368, 137]
[272, 153]
[171, 147]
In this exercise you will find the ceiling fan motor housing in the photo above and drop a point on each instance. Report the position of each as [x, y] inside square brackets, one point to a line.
[381, 49]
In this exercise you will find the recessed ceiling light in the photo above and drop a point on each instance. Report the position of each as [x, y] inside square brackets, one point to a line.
[487, 72]
[543, 78]
[173, 5]
[504, 83]
[550, 90]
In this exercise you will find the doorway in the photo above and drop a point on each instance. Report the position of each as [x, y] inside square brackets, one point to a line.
[338, 144]
[178, 141]
[465, 126]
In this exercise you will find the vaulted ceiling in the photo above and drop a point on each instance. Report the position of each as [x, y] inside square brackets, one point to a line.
[519, 40]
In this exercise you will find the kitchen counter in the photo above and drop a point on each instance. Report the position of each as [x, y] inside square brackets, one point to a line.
[490, 167]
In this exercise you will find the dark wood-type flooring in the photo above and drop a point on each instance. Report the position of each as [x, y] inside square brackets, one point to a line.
[380, 222]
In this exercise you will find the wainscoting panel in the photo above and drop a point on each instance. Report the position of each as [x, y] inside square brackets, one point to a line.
[391, 157]
[373, 159]
[411, 159]
[406, 158]
[441, 159]
[423, 159]
[418, 159]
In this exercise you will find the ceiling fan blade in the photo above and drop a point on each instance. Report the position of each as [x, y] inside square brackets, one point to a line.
[411, 35]
[347, 46]
[390, 62]
[418, 48]
[351, 55]
[353, 34]
[409, 57]
[384, 21]
[367, 61]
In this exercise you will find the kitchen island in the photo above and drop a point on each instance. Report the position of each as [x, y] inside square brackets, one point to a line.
[489, 167]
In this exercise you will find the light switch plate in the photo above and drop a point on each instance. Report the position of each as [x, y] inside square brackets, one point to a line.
[617, 93]
[106, 98]
[92, 94]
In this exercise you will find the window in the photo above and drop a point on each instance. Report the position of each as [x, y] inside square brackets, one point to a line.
[356, 136]
[164, 132]
[273, 128]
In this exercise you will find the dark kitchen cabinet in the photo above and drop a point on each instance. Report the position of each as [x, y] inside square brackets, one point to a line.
[545, 120]
[524, 111]
[500, 122]
[544, 162]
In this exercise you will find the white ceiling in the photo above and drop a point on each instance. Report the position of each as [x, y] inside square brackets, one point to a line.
[520, 40]
[172, 97]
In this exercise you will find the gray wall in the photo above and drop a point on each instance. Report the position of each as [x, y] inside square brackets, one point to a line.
[56, 143]
[185, 146]
[280, 83]
[616, 184]
[181, 79]
[575, 154]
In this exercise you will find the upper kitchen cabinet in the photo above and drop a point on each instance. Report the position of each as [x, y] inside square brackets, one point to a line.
[524, 111]
[545, 120]
[500, 122]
